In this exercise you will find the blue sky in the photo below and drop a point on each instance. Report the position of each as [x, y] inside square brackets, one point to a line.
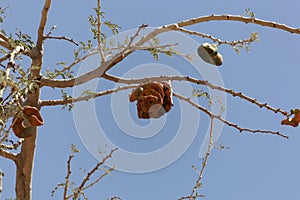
[256, 166]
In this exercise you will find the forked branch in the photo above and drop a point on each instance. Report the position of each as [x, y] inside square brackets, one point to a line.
[211, 115]
[82, 187]
[99, 71]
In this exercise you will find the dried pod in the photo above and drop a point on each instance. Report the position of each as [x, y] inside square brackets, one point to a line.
[209, 53]
[153, 99]
[25, 126]
[289, 122]
[33, 115]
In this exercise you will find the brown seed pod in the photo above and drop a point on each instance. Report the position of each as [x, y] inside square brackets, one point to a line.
[25, 126]
[153, 99]
[289, 122]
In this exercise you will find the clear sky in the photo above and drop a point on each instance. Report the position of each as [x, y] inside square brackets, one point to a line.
[254, 166]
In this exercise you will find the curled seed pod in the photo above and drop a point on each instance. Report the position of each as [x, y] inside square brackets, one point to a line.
[25, 126]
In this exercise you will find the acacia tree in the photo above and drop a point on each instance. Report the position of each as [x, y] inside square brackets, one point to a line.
[21, 87]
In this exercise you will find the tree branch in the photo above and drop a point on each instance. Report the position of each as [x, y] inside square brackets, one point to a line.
[68, 176]
[40, 40]
[191, 197]
[211, 115]
[108, 171]
[61, 38]
[98, 12]
[4, 42]
[87, 178]
[13, 146]
[214, 39]
[83, 98]
[8, 155]
[98, 72]
[205, 159]
[199, 82]
[238, 18]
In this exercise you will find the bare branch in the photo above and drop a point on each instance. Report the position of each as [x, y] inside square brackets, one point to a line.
[83, 98]
[4, 38]
[214, 39]
[4, 42]
[225, 121]
[239, 18]
[87, 178]
[191, 197]
[8, 155]
[132, 38]
[199, 82]
[205, 159]
[4, 57]
[68, 176]
[108, 171]
[61, 38]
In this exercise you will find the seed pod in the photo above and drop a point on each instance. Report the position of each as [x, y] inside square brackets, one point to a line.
[24, 126]
[209, 53]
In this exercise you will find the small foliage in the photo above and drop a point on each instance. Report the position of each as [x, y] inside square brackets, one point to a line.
[249, 13]
[23, 39]
[66, 97]
[2, 11]
[245, 44]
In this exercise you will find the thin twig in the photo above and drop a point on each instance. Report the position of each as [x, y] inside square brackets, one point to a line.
[225, 121]
[132, 38]
[61, 38]
[74, 63]
[214, 39]
[90, 173]
[98, 12]
[108, 171]
[191, 197]
[68, 176]
[205, 159]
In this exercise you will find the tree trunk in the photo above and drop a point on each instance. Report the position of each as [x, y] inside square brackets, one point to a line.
[24, 166]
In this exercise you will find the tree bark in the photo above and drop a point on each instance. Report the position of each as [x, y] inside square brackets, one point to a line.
[24, 169]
